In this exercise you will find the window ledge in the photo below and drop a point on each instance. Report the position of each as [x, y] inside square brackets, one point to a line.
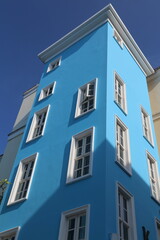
[128, 171]
[82, 114]
[154, 199]
[125, 113]
[151, 144]
[30, 140]
[78, 179]
[17, 201]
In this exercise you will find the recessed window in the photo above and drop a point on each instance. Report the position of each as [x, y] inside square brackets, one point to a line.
[86, 98]
[10, 234]
[47, 91]
[75, 224]
[23, 179]
[80, 162]
[120, 92]
[122, 145]
[146, 126]
[53, 65]
[154, 177]
[38, 124]
[126, 221]
[118, 38]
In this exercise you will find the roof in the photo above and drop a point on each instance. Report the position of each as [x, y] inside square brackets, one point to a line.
[106, 14]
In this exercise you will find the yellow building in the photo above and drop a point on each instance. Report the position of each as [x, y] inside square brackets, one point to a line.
[154, 93]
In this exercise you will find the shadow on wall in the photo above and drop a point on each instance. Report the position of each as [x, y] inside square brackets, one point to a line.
[40, 216]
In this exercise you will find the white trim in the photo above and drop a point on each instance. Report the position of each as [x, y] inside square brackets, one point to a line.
[118, 38]
[74, 212]
[123, 106]
[41, 96]
[132, 218]
[50, 66]
[9, 232]
[149, 129]
[77, 112]
[33, 124]
[106, 14]
[71, 164]
[157, 222]
[127, 163]
[149, 157]
[18, 177]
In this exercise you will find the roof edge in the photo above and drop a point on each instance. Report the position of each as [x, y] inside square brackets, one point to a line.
[107, 13]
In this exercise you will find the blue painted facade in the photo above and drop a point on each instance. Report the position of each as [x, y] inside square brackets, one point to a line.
[97, 55]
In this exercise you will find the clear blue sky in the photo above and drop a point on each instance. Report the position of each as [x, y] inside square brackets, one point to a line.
[28, 27]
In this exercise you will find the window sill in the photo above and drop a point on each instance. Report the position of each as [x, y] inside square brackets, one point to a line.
[73, 180]
[82, 114]
[128, 171]
[30, 140]
[148, 141]
[154, 199]
[121, 45]
[17, 201]
[125, 113]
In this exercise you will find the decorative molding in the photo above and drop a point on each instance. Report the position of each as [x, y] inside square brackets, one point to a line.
[30, 91]
[16, 133]
[106, 14]
[156, 116]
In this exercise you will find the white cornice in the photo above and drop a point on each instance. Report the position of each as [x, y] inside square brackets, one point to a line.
[106, 14]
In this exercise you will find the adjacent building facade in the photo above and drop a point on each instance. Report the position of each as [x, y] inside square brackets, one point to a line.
[87, 164]
[154, 87]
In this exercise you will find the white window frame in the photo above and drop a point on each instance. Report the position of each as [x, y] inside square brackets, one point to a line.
[146, 124]
[153, 176]
[74, 212]
[118, 38]
[157, 225]
[53, 65]
[71, 165]
[117, 95]
[131, 222]
[80, 95]
[18, 179]
[9, 232]
[125, 163]
[34, 124]
[44, 95]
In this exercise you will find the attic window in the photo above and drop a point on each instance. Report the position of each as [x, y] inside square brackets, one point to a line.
[118, 38]
[53, 65]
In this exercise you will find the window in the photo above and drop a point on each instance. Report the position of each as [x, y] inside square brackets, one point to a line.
[126, 220]
[38, 124]
[23, 179]
[86, 98]
[146, 126]
[53, 65]
[74, 224]
[158, 229]
[118, 38]
[154, 177]
[47, 91]
[122, 145]
[10, 234]
[120, 93]
[80, 162]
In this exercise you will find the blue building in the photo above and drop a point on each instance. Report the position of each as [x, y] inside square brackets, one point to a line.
[87, 164]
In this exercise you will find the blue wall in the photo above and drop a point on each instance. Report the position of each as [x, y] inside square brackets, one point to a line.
[97, 55]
